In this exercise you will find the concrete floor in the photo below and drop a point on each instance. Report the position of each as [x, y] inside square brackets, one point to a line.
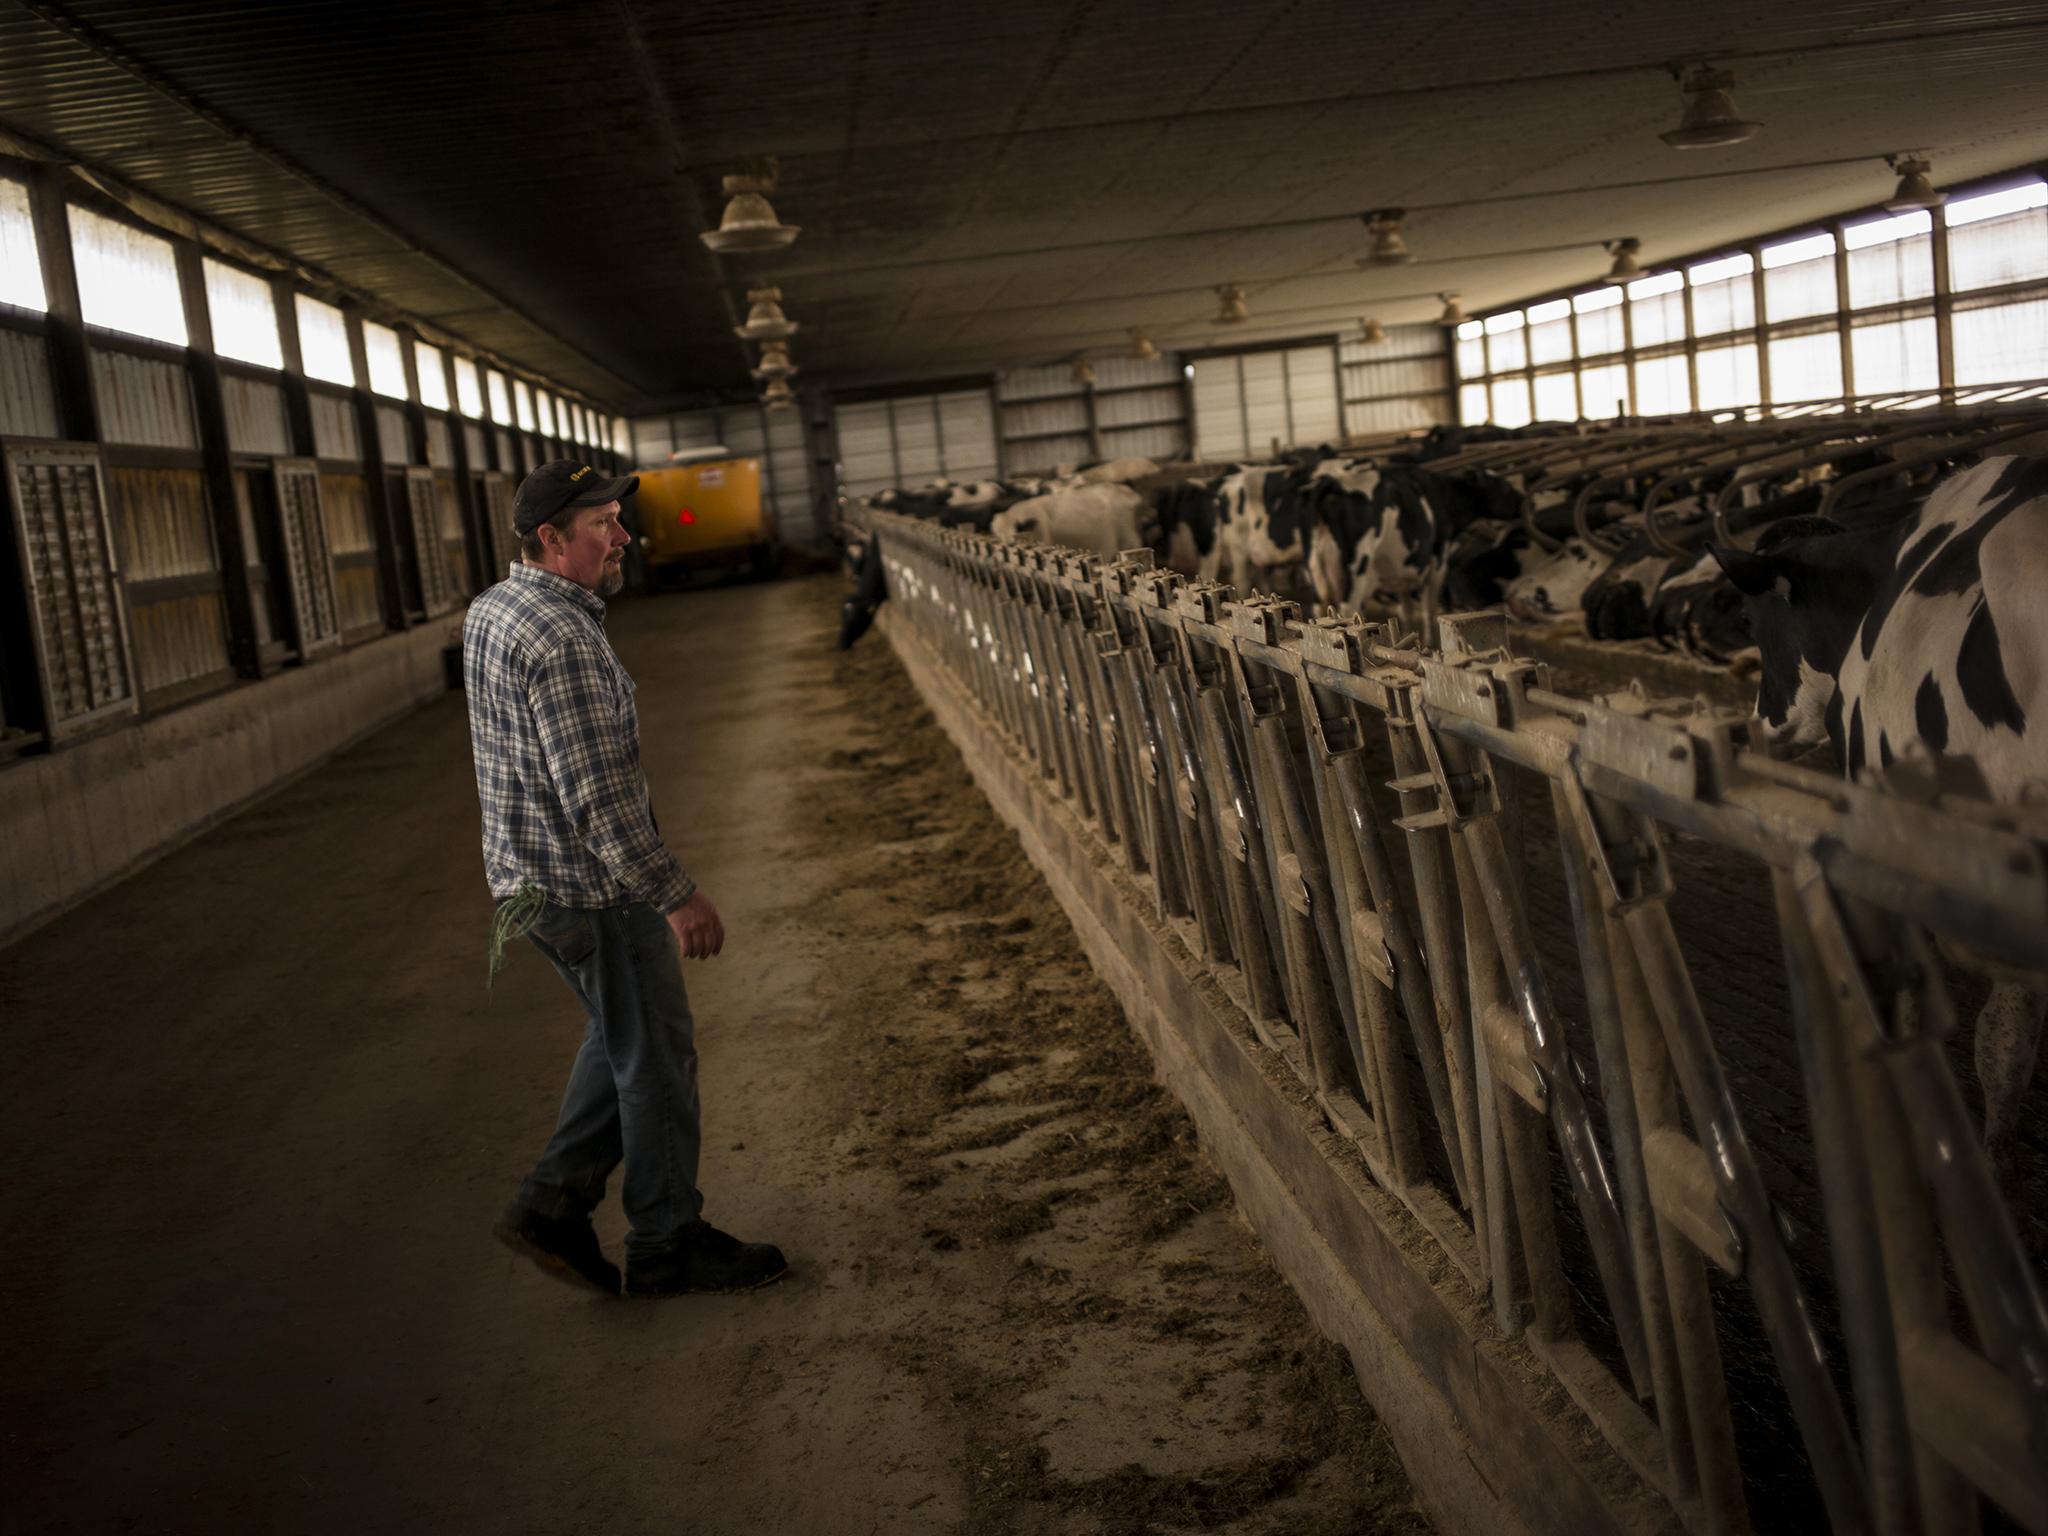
[258, 1113]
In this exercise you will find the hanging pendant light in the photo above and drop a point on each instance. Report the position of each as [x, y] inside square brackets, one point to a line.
[1625, 269]
[765, 320]
[1915, 190]
[775, 363]
[777, 396]
[1142, 348]
[1374, 333]
[1388, 248]
[1084, 371]
[749, 223]
[1230, 307]
[1710, 118]
[1454, 312]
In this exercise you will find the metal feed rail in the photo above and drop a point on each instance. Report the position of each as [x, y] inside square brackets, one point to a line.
[1374, 928]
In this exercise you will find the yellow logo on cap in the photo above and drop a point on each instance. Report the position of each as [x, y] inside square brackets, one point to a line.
[581, 473]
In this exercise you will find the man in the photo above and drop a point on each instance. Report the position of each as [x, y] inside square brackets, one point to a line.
[576, 864]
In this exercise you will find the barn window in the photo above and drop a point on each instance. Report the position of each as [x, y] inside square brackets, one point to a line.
[2001, 343]
[1890, 260]
[1471, 350]
[1550, 332]
[386, 359]
[1557, 397]
[1600, 322]
[1507, 342]
[1999, 238]
[1806, 368]
[1799, 278]
[1723, 297]
[1728, 377]
[622, 438]
[21, 264]
[1603, 389]
[127, 280]
[243, 311]
[501, 399]
[1894, 355]
[1663, 387]
[1473, 405]
[323, 341]
[522, 400]
[433, 372]
[1656, 309]
[1511, 406]
[469, 390]
[544, 409]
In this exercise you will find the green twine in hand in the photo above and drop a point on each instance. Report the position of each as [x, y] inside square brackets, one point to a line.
[517, 914]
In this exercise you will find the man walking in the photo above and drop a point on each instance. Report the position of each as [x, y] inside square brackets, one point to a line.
[577, 865]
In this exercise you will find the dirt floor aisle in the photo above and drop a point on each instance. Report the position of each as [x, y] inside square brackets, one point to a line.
[259, 1113]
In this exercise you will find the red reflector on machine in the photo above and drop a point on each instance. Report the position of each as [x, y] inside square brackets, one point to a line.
[686, 517]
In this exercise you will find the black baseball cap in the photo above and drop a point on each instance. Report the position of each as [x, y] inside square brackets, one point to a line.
[561, 484]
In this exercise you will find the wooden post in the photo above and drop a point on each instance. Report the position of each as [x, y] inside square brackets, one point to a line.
[390, 580]
[70, 359]
[209, 404]
[298, 401]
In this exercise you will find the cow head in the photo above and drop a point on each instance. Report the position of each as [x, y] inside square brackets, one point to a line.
[1805, 589]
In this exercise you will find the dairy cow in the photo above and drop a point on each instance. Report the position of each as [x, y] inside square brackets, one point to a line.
[1386, 532]
[1921, 635]
[1102, 519]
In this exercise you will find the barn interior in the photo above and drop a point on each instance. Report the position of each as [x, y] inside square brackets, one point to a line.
[1293, 983]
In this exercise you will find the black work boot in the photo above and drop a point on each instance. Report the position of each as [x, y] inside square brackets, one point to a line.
[705, 1260]
[565, 1247]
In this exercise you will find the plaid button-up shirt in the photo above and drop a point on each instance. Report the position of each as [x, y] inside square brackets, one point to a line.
[557, 745]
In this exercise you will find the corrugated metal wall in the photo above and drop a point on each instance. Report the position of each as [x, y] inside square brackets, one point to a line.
[394, 442]
[1248, 403]
[1140, 409]
[177, 617]
[1045, 420]
[334, 428]
[256, 417]
[144, 401]
[911, 440]
[28, 402]
[1398, 384]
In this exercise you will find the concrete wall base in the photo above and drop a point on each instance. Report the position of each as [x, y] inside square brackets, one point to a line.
[1492, 1444]
[77, 820]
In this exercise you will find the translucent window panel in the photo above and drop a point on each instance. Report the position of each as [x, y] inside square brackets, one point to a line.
[1511, 403]
[1603, 390]
[1507, 342]
[1890, 260]
[501, 398]
[1265, 402]
[1473, 404]
[1723, 296]
[1806, 368]
[323, 341]
[1557, 397]
[127, 280]
[544, 408]
[522, 401]
[243, 312]
[1600, 321]
[2001, 343]
[1313, 407]
[1799, 278]
[621, 443]
[1891, 355]
[1728, 377]
[1550, 332]
[1656, 309]
[386, 359]
[21, 265]
[1662, 385]
[433, 371]
[2001, 237]
[469, 388]
[1471, 350]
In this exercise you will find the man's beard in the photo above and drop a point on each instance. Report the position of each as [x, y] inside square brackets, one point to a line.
[612, 580]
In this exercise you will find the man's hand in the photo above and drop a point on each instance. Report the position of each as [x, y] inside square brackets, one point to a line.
[697, 928]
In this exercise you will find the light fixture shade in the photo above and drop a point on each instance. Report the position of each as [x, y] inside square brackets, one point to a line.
[1915, 190]
[1389, 249]
[777, 396]
[1710, 117]
[1375, 333]
[1141, 346]
[1454, 312]
[775, 363]
[749, 223]
[765, 320]
[1084, 371]
[1626, 269]
[1230, 306]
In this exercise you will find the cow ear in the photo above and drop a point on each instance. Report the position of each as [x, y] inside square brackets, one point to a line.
[1752, 574]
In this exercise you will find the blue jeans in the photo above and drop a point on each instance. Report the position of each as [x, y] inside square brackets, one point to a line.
[633, 1090]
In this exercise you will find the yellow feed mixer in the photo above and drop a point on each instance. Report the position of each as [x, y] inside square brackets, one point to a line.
[703, 516]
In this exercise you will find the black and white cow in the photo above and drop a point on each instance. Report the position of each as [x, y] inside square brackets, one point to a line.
[1921, 635]
[1386, 532]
